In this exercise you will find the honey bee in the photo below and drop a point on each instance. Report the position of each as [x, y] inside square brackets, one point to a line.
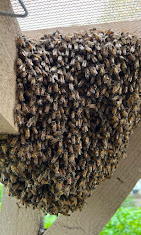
[102, 153]
[78, 66]
[124, 114]
[37, 90]
[47, 108]
[21, 152]
[4, 149]
[21, 167]
[23, 140]
[59, 186]
[30, 122]
[43, 135]
[21, 96]
[59, 151]
[39, 145]
[43, 91]
[72, 158]
[25, 108]
[87, 73]
[21, 42]
[13, 141]
[131, 57]
[115, 88]
[71, 87]
[35, 158]
[84, 64]
[27, 133]
[79, 111]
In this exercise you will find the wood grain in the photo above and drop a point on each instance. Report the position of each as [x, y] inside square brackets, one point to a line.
[133, 27]
[16, 220]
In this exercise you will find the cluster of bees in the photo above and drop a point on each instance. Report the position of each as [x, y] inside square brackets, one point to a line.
[78, 100]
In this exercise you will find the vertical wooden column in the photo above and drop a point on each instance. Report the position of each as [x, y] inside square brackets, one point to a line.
[16, 220]
[9, 30]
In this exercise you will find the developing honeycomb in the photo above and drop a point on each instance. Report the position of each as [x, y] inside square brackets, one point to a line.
[78, 101]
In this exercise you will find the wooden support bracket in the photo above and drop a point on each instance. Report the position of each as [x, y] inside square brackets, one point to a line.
[9, 30]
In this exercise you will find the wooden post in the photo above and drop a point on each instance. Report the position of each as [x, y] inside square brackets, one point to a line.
[16, 220]
[9, 30]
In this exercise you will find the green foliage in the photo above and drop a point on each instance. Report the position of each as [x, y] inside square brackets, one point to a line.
[49, 220]
[1, 190]
[125, 221]
[128, 202]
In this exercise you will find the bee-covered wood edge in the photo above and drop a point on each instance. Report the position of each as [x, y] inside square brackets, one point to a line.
[104, 202]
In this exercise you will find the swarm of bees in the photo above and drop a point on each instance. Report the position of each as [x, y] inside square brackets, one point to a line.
[78, 100]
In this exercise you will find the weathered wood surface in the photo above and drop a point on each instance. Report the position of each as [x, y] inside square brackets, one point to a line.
[129, 26]
[104, 202]
[9, 30]
[18, 221]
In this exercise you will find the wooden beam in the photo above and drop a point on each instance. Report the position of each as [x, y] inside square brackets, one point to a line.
[129, 26]
[15, 219]
[104, 202]
[9, 30]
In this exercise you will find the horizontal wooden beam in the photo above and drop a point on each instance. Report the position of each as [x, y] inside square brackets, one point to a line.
[104, 202]
[129, 26]
[9, 30]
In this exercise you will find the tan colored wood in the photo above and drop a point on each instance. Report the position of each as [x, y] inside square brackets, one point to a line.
[9, 30]
[130, 26]
[104, 202]
[18, 221]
